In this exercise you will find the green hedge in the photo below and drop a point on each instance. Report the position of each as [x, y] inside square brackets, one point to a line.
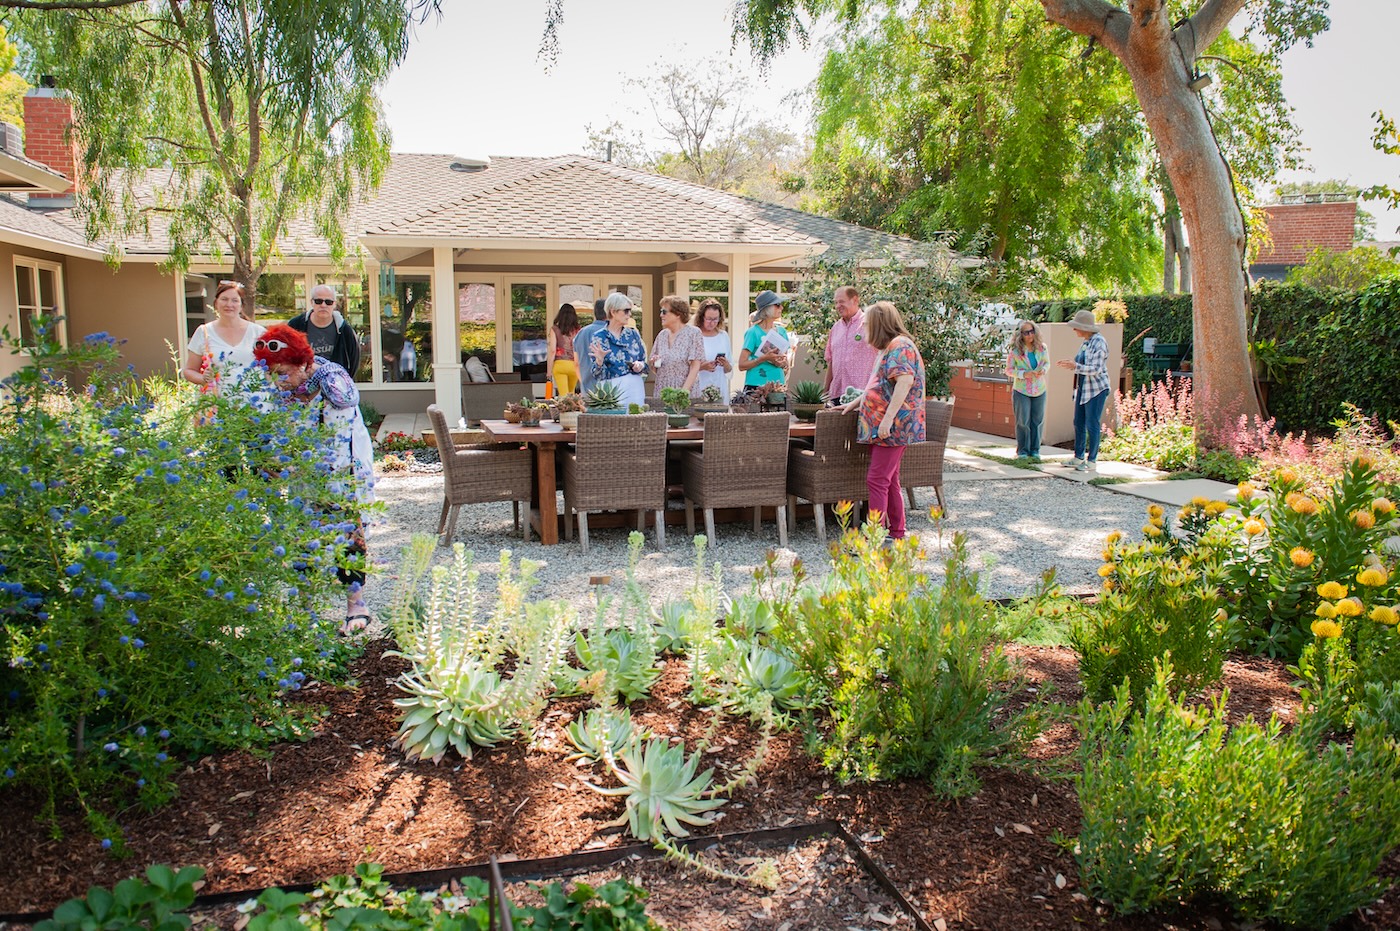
[1349, 339]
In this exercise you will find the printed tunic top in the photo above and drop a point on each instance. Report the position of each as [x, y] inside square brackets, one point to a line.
[901, 357]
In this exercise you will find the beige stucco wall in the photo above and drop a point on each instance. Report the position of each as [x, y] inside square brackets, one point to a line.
[136, 303]
[9, 316]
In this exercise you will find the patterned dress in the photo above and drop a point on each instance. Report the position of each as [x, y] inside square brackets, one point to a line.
[672, 356]
[619, 352]
[901, 357]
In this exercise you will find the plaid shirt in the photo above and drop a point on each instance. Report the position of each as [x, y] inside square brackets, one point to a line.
[1091, 369]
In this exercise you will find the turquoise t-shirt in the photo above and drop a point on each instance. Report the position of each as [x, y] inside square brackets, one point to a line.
[766, 372]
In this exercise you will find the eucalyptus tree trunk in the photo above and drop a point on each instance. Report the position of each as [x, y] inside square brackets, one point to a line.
[1160, 63]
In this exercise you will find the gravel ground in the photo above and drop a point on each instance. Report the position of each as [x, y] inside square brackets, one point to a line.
[1016, 528]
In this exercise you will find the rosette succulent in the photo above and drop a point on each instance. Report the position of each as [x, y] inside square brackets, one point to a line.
[663, 792]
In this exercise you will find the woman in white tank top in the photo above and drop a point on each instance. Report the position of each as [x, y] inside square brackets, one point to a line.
[222, 350]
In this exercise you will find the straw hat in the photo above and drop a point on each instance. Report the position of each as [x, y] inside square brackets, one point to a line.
[1084, 320]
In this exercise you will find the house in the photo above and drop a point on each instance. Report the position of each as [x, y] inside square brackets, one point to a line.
[1301, 224]
[506, 240]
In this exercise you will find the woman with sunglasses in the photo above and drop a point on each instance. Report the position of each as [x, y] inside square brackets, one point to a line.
[617, 354]
[1026, 365]
[222, 350]
[330, 393]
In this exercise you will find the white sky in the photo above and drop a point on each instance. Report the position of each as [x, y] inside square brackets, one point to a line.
[472, 83]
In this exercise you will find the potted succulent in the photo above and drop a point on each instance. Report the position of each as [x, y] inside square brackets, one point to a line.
[530, 413]
[807, 398]
[746, 401]
[711, 401]
[677, 402]
[604, 398]
[569, 407]
[514, 413]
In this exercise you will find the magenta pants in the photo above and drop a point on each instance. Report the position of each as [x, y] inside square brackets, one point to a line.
[882, 481]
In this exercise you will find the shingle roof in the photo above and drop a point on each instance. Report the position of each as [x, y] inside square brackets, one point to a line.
[58, 226]
[554, 201]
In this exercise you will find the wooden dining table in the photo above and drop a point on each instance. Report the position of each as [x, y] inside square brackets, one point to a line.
[544, 504]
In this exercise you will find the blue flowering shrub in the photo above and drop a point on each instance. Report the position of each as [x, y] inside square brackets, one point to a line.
[158, 576]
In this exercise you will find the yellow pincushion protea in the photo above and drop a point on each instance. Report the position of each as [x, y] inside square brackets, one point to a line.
[1107, 569]
[1383, 506]
[1363, 519]
[1366, 459]
[1286, 476]
[1300, 557]
[1301, 503]
[1109, 585]
[1157, 521]
[1199, 502]
[1216, 508]
[1326, 610]
[1154, 511]
[1350, 607]
[1151, 531]
[1253, 527]
[1372, 577]
[1332, 590]
[1244, 491]
[1326, 629]
[1383, 614]
[1113, 537]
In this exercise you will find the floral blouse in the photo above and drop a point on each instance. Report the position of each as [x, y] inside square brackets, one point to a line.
[901, 357]
[673, 355]
[1028, 372]
[620, 352]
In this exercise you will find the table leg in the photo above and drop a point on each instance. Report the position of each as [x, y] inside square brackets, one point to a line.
[546, 492]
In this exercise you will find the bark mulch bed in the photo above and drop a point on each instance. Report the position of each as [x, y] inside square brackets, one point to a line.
[308, 811]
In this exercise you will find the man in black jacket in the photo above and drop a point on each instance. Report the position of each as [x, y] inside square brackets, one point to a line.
[329, 333]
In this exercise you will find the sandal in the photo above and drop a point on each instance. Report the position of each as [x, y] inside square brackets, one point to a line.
[354, 624]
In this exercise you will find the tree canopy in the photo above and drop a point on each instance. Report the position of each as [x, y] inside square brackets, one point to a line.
[222, 121]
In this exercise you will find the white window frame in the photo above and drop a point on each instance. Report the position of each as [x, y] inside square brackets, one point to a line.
[31, 266]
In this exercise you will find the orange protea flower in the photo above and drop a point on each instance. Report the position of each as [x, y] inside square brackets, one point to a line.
[1253, 527]
[1287, 476]
[1350, 607]
[1385, 615]
[1302, 504]
[1326, 610]
[1372, 577]
[1332, 590]
[1301, 558]
[1326, 629]
[1366, 459]
[1383, 506]
[1154, 510]
[1216, 508]
[1107, 569]
[1363, 519]
[1244, 491]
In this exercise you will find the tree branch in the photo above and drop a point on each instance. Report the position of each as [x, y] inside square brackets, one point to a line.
[1096, 19]
[1211, 19]
[66, 4]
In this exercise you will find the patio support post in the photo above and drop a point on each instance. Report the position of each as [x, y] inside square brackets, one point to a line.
[447, 358]
[738, 312]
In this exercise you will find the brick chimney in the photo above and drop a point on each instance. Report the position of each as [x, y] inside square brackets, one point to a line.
[48, 114]
[1298, 229]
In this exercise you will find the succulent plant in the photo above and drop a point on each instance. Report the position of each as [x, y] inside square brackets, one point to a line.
[712, 395]
[571, 402]
[599, 732]
[604, 396]
[808, 392]
[769, 671]
[676, 399]
[455, 706]
[628, 668]
[750, 616]
[662, 790]
[672, 630]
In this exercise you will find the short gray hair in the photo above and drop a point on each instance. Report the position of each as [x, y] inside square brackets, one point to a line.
[330, 288]
[617, 301]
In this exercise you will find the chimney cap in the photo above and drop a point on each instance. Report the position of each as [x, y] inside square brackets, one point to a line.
[49, 81]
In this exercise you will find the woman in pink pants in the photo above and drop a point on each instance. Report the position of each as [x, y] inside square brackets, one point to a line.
[891, 412]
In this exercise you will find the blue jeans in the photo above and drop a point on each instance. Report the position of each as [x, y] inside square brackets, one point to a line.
[1088, 425]
[1030, 417]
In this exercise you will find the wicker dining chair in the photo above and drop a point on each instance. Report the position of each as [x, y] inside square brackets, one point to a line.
[922, 465]
[833, 470]
[618, 463]
[742, 463]
[479, 474]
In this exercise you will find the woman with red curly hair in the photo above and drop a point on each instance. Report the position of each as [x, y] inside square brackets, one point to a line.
[330, 391]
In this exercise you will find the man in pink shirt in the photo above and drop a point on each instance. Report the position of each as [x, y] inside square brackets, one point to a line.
[849, 356]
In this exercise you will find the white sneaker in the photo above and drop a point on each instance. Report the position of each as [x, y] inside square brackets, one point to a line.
[1083, 466]
[1072, 463]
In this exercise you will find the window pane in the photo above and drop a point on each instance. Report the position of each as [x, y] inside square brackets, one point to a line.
[276, 300]
[353, 304]
[24, 287]
[405, 330]
[702, 285]
[48, 303]
[574, 292]
[476, 323]
[199, 301]
[528, 325]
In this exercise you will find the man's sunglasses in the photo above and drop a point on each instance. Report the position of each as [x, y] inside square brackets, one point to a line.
[271, 345]
[323, 300]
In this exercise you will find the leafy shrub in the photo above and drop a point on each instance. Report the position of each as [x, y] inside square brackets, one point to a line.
[1154, 604]
[403, 443]
[1155, 427]
[1177, 805]
[157, 579]
[914, 675]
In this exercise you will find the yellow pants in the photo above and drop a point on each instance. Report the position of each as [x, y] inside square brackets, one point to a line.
[565, 375]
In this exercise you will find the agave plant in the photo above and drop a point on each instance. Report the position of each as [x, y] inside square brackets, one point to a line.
[770, 671]
[604, 396]
[808, 392]
[600, 732]
[457, 706]
[662, 789]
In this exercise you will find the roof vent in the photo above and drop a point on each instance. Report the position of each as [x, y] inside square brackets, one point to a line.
[11, 140]
[470, 163]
